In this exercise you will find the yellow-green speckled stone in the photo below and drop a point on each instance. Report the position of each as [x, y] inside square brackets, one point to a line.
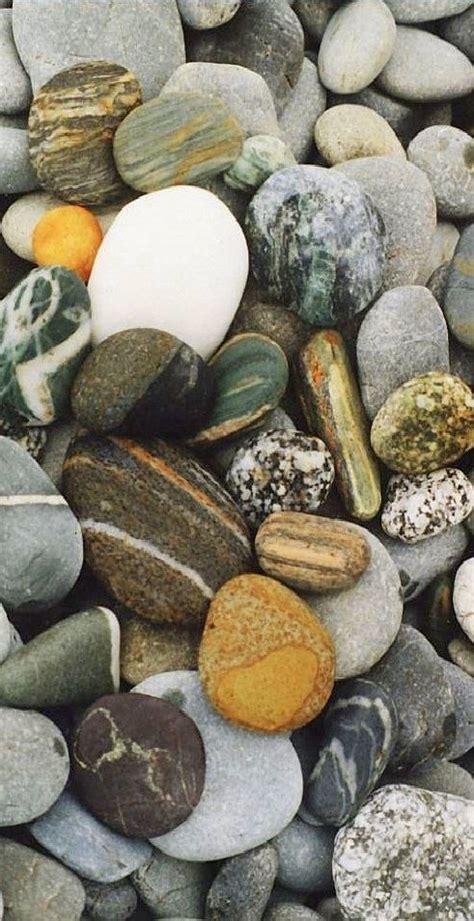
[425, 424]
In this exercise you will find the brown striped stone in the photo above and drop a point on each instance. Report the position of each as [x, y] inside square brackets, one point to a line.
[311, 553]
[72, 122]
[159, 531]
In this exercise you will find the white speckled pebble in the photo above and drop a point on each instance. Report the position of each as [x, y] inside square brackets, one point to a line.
[463, 597]
[420, 506]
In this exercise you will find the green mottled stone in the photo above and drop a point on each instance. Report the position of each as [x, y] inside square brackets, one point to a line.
[459, 293]
[261, 156]
[333, 409]
[30, 437]
[251, 378]
[45, 331]
[176, 139]
[425, 424]
[74, 662]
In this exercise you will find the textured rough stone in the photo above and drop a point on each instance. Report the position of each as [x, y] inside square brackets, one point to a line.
[18, 175]
[306, 102]
[421, 506]
[459, 290]
[418, 564]
[34, 886]
[424, 68]
[357, 44]
[221, 457]
[346, 132]
[15, 87]
[33, 438]
[148, 649]
[446, 155]
[304, 857]
[243, 885]
[167, 885]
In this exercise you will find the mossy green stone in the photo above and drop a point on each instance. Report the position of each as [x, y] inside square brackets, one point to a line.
[425, 424]
[261, 156]
[251, 378]
[176, 139]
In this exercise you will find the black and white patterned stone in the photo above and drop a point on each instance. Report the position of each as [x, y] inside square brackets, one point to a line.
[412, 673]
[243, 885]
[317, 243]
[421, 506]
[408, 854]
[32, 438]
[358, 736]
[173, 887]
[305, 857]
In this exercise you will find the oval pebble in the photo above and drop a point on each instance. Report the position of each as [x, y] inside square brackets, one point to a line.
[304, 857]
[418, 507]
[15, 87]
[463, 597]
[36, 887]
[207, 14]
[459, 291]
[243, 885]
[346, 132]
[418, 564]
[407, 11]
[424, 68]
[166, 884]
[357, 43]
[446, 155]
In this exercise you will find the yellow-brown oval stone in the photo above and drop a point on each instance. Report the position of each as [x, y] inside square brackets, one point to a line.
[265, 660]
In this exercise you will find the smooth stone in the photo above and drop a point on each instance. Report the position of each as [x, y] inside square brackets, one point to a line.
[330, 910]
[424, 68]
[5, 635]
[15, 87]
[357, 738]
[265, 660]
[176, 139]
[443, 245]
[304, 857]
[463, 597]
[12, 269]
[18, 175]
[286, 912]
[392, 346]
[356, 45]
[198, 239]
[403, 117]
[313, 234]
[208, 14]
[261, 156]
[424, 424]
[412, 673]
[243, 91]
[45, 330]
[110, 901]
[442, 777]
[49, 671]
[411, 835]
[243, 886]
[446, 155]
[333, 409]
[14, 121]
[311, 553]
[33, 438]
[461, 362]
[462, 654]
[418, 564]
[407, 11]
[251, 374]
[421, 506]
[459, 290]
[221, 456]
[75, 837]
[459, 31]
[306, 102]
[34, 886]
[148, 649]
[403, 196]
[143, 382]
[363, 620]
[50, 38]
[253, 783]
[280, 470]
[160, 532]
[150, 756]
[315, 16]
[34, 766]
[463, 692]
[346, 132]
[167, 885]
[265, 36]
[40, 539]
[273, 320]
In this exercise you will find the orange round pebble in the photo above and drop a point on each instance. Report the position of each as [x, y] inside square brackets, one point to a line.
[69, 236]
[265, 660]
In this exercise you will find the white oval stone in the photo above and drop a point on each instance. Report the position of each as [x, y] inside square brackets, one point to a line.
[346, 132]
[463, 597]
[357, 43]
[174, 260]
[418, 507]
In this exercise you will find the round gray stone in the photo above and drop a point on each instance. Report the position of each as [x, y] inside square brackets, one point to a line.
[35, 887]
[207, 14]
[357, 44]
[305, 857]
[459, 290]
[403, 334]
[443, 245]
[305, 103]
[446, 155]
[34, 765]
[418, 564]
[110, 901]
[425, 10]
[73, 835]
[15, 87]
[242, 886]
[442, 777]
[425, 68]
[403, 195]
[17, 173]
[462, 687]
[459, 31]
[170, 886]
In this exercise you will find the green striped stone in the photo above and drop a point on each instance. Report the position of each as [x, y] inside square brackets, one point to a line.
[262, 155]
[251, 377]
[45, 330]
[176, 139]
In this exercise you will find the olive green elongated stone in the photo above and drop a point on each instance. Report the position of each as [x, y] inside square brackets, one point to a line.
[74, 662]
[425, 424]
[334, 411]
[176, 139]
[251, 374]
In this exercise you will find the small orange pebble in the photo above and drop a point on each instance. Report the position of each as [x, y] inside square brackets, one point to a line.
[69, 236]
[265, 660]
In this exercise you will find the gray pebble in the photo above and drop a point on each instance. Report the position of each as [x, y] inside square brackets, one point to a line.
[425, 68]
[73, 835]
[442, 777]
[15, 87]
[459, 31]
[446, 155]
[34, 765]
[305, 103]
[462, 686]
[443, 245]
[291, 913]
[305, 857]
[36, 888]
[14, 121]
[168, 886]
[110, 902]
[282, 896]
[403, 334]
[242, 886]
[459, 290]
[425, 10]
[330, 910]
[357, 44]
[461, 362]
[207, 14]
[418, 564]
[17, 174]
[315, 16]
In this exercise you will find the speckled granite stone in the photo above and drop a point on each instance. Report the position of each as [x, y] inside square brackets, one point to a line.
[418, 507]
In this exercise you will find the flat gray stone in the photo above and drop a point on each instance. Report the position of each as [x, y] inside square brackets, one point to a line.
[170, 886]
[15, 87]
[446, 155]
[459, 291]
[110, 901]
[421, 847]
[143, 36]
[17, 174]
[442, 777]
[34, 766]
[242, 886]
[253, 785]
[462, 686]
[425, 68]
[418, 564]
[35, 887]
[73, 835]
[305, 103]
[207, 14]
[404, 197]
[459, 31]
[305, 857]
[357, 43]
[364, 620]
[403, 334]
[425, 10]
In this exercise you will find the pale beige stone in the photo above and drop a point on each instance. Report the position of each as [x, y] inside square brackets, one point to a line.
[348, 132]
